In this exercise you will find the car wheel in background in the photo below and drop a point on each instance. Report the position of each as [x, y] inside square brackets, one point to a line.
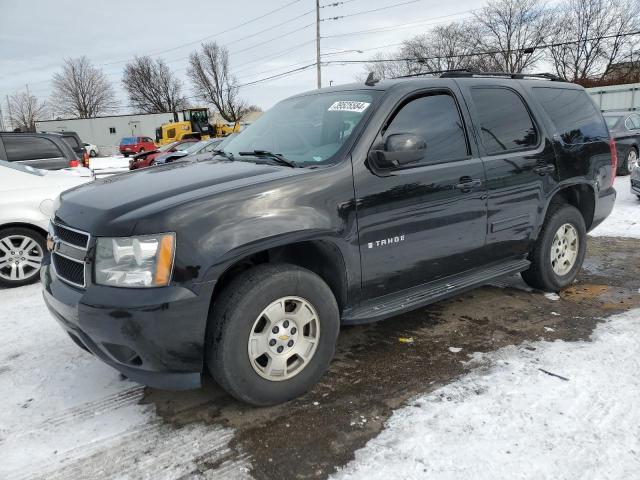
[141, 150]
[272, 333]
[125, 155]
[630, 162]
[559, 251]
[92, 153]
[21, 254]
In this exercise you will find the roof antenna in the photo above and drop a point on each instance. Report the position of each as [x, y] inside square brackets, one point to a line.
[371, 80]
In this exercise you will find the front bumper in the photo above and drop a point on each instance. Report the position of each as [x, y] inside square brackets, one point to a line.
[153, 336]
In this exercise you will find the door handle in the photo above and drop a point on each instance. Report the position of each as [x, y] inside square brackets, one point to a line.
[467, 184]
[544, 169]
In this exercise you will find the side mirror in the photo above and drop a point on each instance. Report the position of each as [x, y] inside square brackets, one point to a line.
[400, 149]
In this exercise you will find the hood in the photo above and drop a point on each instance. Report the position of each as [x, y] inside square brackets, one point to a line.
[113, 205]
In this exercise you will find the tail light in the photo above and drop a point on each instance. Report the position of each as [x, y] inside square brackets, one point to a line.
[85, 160]
[614, 159]
[74, 163]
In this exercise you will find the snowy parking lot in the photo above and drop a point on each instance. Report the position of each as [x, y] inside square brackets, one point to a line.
[502, 382]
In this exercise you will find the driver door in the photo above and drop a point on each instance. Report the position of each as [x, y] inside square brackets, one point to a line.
[426, 219]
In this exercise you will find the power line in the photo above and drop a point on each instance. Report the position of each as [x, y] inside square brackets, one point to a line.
[215, 34]
[372, 10]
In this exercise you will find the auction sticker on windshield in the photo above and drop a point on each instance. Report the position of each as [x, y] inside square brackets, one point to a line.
[349, 106]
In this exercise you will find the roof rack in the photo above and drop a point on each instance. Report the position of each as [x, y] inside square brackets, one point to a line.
[466, 73]
[516, 76]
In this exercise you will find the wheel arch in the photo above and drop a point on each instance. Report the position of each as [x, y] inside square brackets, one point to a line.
[581, 195]
[321, 256]
[29, 226]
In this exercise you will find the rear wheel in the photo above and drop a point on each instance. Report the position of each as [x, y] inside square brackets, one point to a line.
[272, 333]
[126, 155]
[21, 254]
[92, 153]
[141, 150]
[559, 251]
[631, 162]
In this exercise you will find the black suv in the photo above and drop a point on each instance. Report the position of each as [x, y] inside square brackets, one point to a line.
[339, 206]
[48, 151]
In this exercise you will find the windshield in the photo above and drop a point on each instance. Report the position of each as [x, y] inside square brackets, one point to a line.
[22, 168]
[193, 148]
[308, 130]
[612, 121]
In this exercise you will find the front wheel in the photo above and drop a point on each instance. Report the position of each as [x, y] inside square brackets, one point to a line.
[21, 254]
[272, 333]
[559, 251]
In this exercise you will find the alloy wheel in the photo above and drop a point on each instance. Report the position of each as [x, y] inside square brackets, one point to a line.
[632, 159]
[284, 338]
[564, 249]
[20, 257]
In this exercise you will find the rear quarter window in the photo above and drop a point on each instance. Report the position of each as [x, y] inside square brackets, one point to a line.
[20, 148]
[574, 115]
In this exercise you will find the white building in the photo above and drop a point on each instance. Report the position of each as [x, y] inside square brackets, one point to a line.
[616, 97]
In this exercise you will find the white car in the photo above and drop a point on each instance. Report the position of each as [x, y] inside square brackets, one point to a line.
[91, 149]
[26, 196]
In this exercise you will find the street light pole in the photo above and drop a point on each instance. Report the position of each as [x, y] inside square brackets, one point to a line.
[318, 70]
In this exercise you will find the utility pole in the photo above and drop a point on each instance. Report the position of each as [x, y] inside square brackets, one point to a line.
[318, 44]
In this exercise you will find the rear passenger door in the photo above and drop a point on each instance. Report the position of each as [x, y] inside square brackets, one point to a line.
[519, 163]
[35, 151]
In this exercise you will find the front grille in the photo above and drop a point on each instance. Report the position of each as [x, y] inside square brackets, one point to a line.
[71, 236]
[69, 270]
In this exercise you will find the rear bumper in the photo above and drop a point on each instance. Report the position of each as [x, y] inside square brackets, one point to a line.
[154, 337]
[605, 199]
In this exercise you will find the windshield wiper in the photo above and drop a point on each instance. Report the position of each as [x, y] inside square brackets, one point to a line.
[222, 153]
[273, 156]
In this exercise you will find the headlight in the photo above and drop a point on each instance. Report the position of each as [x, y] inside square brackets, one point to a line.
[145, 261]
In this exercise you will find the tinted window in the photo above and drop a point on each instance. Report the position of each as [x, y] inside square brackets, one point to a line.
[504, 120]
[20, 147]
[435, 118]
[573, 113]
[73, 142]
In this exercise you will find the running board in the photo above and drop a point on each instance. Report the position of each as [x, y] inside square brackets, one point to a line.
[416, 297]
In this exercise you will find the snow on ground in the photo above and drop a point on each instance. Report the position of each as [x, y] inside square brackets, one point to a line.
[514, 421]
[65, 414]
[624, 221]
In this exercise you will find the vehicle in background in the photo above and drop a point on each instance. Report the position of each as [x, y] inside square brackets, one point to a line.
[194, 124]
[48, 151]
[625, 129]
[91, 149]
[146, 159]
[73, 139]
[133, 145]
[635, 181]
[201, 147]
[27, 197]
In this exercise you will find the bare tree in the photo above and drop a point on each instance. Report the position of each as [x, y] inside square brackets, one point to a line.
[390, 65]
[25, 110]
[449, 47]
[214, 83]
[152, 87]
[511, 30]
[588, 40]
[82, 90]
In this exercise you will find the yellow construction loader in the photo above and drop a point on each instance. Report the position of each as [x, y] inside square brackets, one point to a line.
[194, 124]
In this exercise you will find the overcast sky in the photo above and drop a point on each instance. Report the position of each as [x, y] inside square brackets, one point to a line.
[35, 36]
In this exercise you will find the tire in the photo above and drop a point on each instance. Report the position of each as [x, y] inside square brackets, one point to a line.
[92, 153]
[126, 155]
[11, 239]
[141, 150]
[543, 274]
[238, 312]
[630, 162]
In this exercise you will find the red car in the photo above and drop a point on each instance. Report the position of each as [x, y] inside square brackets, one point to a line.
[133, 145]
[145, 159]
